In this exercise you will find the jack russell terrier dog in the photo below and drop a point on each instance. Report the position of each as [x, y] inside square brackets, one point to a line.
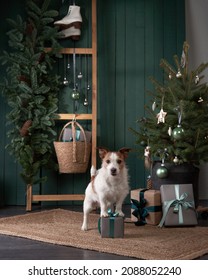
[109, 185]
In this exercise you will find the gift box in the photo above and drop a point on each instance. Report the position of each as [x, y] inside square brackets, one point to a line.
[111, 227]
[178, 205]
[146, 207]
[67, 135]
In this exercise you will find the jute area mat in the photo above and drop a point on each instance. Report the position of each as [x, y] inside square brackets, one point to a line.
[62, 227]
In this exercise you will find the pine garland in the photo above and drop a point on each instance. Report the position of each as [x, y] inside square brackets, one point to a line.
[31, 89]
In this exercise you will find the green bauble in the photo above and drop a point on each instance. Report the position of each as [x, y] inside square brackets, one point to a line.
[143, 143]
[75, 95]
[162, 172]
[178, 133]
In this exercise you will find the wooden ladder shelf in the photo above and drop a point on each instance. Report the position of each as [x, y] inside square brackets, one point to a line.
[93, 117]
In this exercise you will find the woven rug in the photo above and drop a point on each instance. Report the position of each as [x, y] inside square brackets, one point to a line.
[62, 227]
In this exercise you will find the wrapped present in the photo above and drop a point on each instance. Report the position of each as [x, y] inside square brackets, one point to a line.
[67, 135]
[146, 207]
[178, 205]
[112, 226]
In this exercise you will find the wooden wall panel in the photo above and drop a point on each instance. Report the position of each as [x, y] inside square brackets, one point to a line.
[133, 35]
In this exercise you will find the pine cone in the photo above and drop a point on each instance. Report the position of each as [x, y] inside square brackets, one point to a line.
[24, 130]
[149, 183]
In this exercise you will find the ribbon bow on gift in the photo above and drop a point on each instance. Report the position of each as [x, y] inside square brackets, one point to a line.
[111, 214]
[140, 211]
[177, 203]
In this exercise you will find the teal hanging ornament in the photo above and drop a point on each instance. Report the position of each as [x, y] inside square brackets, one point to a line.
[162, 171]
[178, 132]
[75, 94]
[143, 143]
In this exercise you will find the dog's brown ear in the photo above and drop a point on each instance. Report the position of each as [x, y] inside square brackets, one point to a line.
[125, 151]
[102, 151]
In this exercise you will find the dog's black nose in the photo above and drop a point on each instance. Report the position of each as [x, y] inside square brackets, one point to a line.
[113, 171]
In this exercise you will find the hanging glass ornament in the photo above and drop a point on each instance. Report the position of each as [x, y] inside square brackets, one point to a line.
[176, 160]
[143, 143]
[200, 99]
[196, 79]
[178, 132]
[68, 66]
[75, 94]
[153, 106]
[65, 80]
[183, 59]
[170, 76]
[147, 157]
[178, 75]
[79, 76]
[86, 103]
[162, 172]
[170, 131]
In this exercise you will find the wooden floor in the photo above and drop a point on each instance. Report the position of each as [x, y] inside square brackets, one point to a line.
[15, 248]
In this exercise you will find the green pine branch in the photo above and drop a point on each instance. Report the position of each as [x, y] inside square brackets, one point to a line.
[31, 89]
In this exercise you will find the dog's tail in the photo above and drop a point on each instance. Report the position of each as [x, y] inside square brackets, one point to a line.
[93, 173]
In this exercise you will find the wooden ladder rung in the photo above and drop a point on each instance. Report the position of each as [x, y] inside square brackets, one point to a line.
[57, 197]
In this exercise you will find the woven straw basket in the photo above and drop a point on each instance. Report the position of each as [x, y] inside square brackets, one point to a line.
[73, 157]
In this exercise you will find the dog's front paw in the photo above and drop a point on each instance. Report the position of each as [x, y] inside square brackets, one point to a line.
[104, 214]
[84, 227]
[120, 213]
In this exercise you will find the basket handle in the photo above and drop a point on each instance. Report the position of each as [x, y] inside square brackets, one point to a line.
[73, 124]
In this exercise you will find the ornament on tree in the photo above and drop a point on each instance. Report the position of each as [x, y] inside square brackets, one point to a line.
[143, 143]
[178, 75]
[170, 76]
[161, 116]
[170, 131]
[200, 99]
[183, 59]
[147, 158]
[153, 105]
[162, 171]
[178, 132]
[176, 160]
[196, 79]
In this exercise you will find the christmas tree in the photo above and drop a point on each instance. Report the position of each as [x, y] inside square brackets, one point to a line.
[175, 127]
[31, 88]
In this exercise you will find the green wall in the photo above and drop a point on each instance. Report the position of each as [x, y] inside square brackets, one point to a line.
[133, 35]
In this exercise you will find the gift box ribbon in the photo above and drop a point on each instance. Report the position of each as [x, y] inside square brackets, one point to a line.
[111, 223]
[140, 211]
[178, 203]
